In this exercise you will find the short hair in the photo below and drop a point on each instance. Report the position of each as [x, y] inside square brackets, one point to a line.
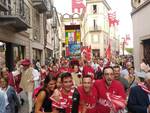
[87, 76]
[131, 67]
[116, 66]
[65, 75]
[107, 67]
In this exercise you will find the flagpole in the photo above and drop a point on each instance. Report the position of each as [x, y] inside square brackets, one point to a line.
[123, 46]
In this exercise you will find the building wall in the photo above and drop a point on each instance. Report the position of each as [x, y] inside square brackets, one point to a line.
[7, 35]
[32, 38]
[96, 38]
[141, 27]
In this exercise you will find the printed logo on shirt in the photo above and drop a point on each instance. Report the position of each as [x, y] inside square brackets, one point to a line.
[104, 102]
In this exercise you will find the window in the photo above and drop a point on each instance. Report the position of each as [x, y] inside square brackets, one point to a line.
[63, 44]
[94, 9]
[94, 24]
[94, 39]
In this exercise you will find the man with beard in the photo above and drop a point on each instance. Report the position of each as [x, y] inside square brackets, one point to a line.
[26, 82]
[118, 77]
[111, 94]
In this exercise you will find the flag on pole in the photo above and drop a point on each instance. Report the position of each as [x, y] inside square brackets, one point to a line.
[86, 53]
[112, 19]
[108, 52]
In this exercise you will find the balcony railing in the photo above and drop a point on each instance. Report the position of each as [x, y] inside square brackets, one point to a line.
[3, 5]
[40, 5]
[18, 15]
[95, 28]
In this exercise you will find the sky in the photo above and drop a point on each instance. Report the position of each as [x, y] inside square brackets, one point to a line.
[122, 8]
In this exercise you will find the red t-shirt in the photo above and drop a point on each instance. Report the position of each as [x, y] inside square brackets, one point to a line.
[89, 99]
[65, 69]
[55, 74]
[88, 70]
[115, 88]
[65, 101]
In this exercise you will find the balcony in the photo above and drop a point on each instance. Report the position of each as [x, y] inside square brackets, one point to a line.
[3, 6]
[17, 16]
[40, 5]
[49, 12]
[95, 29]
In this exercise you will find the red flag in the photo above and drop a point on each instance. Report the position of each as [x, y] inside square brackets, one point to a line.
[117, 102]
[67, 51]
[86, 52]
[77, 5]
[88, 55]
[108, 52]
[112, 19]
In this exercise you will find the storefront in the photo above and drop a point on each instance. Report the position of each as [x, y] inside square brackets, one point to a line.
[10, 54]
[146, 45]
[37, 55]
[48, 55]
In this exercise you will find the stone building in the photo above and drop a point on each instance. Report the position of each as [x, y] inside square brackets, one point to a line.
[23, 29]
[141, 34]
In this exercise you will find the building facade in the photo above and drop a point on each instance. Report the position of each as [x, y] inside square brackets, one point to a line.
[95, 28]
[141, 33]
[23, 29]
[70, 26]
[53, 37]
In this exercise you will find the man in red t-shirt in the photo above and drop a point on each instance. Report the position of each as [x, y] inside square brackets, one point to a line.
[66, 99]
[111, 94]
[87, 69]
[88, 95]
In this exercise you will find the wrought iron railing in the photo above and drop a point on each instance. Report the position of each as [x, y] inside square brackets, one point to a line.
[95, 28]
[17, 8]
[44, 1]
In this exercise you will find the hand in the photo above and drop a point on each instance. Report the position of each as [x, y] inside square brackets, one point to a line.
[84, 107]
[148, 109]
[56, 95]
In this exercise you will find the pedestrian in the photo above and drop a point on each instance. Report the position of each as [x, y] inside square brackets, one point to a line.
[58, 82]
[118, 77]
[132, 78]
[2, 101]
[108, 89]
[139, 101]
[27, 82]
[66, 100]
[13, 104]
[88, 96]
[76, 76]
[87, 69]
[43, 102]
[125, 72]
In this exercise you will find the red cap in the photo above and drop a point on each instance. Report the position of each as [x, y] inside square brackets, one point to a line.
[25, 62]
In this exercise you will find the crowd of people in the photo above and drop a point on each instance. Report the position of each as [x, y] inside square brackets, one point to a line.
[76, 86]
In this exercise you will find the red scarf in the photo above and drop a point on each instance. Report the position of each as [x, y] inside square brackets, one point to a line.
[117, 102]
[144, 87]
[64, 102]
